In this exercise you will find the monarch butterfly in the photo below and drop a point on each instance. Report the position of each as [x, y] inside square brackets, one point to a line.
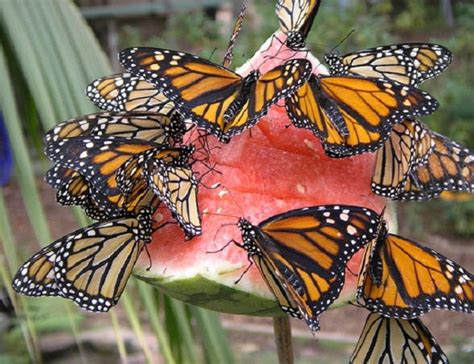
[450, 167]
[217, 99]
[302, 254]
[394, 341]
[90, 266]
[408, 147]
[229, 55]
[353, 115]
[403, 279]
[98, 160]
[296, 18]
[157, 128]
[177, 187]
[125, 92]
[418, 164]
[73, 189]
[407, 63]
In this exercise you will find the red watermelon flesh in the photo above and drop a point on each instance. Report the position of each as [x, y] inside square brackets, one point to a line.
[269, 169]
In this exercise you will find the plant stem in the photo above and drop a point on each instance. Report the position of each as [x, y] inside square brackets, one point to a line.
[282, 330]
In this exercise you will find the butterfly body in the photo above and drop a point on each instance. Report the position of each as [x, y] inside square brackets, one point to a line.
[302, 254]
[248, 85]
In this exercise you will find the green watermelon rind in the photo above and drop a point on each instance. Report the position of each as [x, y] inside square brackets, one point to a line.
[213, 295]
[207, 293]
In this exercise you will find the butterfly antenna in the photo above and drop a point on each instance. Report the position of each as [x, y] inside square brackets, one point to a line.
[235, 201]
[342, 40]
[212, 53]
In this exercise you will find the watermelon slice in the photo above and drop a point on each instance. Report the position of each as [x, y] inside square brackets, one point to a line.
[267, 170]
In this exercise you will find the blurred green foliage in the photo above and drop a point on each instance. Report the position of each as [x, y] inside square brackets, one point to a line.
[374, 23]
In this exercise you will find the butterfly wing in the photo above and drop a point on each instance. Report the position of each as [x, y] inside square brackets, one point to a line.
[307, 250]
[429, 59]
[375, 64]
[407, 63]
[201, 89]
[229, 55]
[36, 276]
[93, 264]
[284, 296]
[177, 187]
[409, 280]
[353, 115]
[157, 128]
[394, 341]
[58, 175]
[450, 167]
[296, 19]
[125, 92]
[409, 146]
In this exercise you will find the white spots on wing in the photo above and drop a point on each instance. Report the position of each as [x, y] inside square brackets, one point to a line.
[351, 230]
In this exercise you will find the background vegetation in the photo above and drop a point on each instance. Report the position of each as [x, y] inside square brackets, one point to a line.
[47, 57]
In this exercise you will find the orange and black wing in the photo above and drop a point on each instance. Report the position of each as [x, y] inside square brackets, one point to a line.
[409, 146]
[307, 250]
[177, 187]
[36, 276]
[200, 89]
[157, 128]
[92, 265]
[353, 115]
[450, 167]
[296, 19]
[429, 59]
[125, 92]
[72, 187]
[392, 341]
[406, 63]
[229, 54]
[215, 98]
[405, 280]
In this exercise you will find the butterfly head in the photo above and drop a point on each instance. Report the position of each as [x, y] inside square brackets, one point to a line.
[248, 232]
[334, 61]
